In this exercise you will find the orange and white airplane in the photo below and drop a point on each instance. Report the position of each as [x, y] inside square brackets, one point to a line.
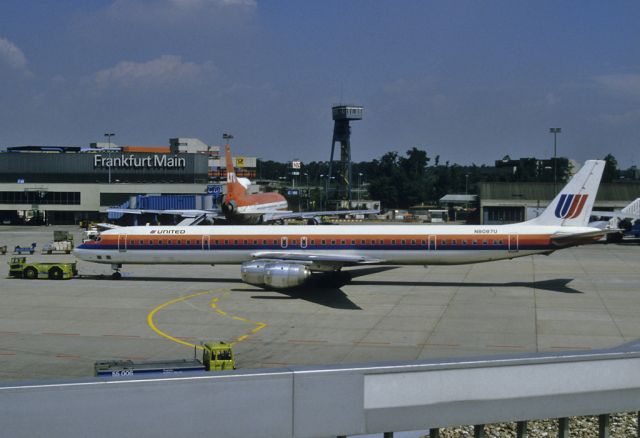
[282, 256]
[240, 207]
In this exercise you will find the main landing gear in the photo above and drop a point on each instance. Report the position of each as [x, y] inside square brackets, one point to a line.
[116, 275]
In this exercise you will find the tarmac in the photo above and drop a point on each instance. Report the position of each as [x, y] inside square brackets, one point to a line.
[578, 298]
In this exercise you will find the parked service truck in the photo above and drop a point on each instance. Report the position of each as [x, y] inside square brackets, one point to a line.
[215, 357]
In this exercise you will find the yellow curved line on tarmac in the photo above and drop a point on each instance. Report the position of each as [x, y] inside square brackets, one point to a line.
[213, 305]
[162, 306]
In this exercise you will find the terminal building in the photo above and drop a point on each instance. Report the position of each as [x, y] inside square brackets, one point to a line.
[57, 184]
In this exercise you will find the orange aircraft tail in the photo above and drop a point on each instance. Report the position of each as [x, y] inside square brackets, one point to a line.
[235, 190]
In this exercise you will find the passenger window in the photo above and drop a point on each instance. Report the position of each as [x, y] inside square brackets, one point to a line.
[393, 242]
[132, 242]
[464, 242]
[343, 242]
[474, 242]
[443, 242]
[363, 242]
[169, 242]
[244, 242]
[255, 242]
[413, 242]
[141, 242]
[333, 242]
[424, 242]
[324, 242]
[313, 242]
[353, 242]
[453, 242]
[235, 242]
[404, 242]
[189, 242]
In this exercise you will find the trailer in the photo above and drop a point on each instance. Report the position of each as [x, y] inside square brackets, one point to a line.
[215, 357]
[20, 268]
[65, 246]
[25, 249]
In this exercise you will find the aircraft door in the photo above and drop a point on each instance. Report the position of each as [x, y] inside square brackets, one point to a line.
[205, 243]
[432, 243]
[513, 243]
[122, 243]
[284, 242]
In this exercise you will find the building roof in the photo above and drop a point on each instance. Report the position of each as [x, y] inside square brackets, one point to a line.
[458, 199]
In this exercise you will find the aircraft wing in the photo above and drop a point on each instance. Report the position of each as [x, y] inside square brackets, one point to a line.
[183, 213]
[280, 215]
[318, 261]
[564, 240]
[618, 214]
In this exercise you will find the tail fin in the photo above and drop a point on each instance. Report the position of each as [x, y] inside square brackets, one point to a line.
[572, 206]
[235, 190]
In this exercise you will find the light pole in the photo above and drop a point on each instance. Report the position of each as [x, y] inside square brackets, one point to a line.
[466, 184]
[359, 187]
[555, 131]
[109, 135]
[306, 174]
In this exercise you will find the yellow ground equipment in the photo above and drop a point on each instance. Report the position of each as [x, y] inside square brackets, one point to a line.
[20, 268]
[215, 357]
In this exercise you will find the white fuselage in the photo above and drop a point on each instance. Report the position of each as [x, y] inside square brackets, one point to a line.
[391, 244]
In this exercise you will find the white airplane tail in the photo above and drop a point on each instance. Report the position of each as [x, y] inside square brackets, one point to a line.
[573, 205]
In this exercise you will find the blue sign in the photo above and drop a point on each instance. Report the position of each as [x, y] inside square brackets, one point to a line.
[292, 192]
[214, 189]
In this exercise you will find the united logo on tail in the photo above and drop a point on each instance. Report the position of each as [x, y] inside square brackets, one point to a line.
[570, 206]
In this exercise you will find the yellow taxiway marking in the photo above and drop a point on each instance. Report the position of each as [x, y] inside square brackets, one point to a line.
[213, 305]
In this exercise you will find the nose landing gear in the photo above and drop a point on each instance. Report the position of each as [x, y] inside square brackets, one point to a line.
[116, 275]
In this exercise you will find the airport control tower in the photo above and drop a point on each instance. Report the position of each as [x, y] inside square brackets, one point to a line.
[338, 184]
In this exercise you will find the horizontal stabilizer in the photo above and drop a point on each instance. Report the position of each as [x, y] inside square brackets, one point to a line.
[573, 239]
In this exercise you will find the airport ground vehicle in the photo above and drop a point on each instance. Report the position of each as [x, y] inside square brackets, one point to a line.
[215, 357]
[62, 242]
[65, 246]
[25, 249]
[20, 268]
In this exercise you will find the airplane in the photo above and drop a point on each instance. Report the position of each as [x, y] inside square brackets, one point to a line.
[283, 256]
[240, 207]
[615, 232]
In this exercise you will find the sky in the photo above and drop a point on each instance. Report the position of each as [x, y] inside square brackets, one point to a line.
[466, 80]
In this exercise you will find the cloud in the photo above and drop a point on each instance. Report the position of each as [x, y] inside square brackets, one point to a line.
[173, 10]
[167, 70]
[11, 55]
[628, 84]
[629, 117]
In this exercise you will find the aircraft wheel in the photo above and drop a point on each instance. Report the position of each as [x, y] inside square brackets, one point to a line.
[30, 273]
[55, 273]
[116, 276]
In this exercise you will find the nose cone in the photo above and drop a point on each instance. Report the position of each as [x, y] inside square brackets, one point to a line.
[81, 252]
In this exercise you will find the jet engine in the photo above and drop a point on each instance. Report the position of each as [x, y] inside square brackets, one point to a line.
[229, 207]
[274, 274]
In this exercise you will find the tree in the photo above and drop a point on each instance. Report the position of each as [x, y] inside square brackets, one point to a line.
[610, 168]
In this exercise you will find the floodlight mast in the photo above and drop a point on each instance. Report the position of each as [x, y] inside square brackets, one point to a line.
[555, 131]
